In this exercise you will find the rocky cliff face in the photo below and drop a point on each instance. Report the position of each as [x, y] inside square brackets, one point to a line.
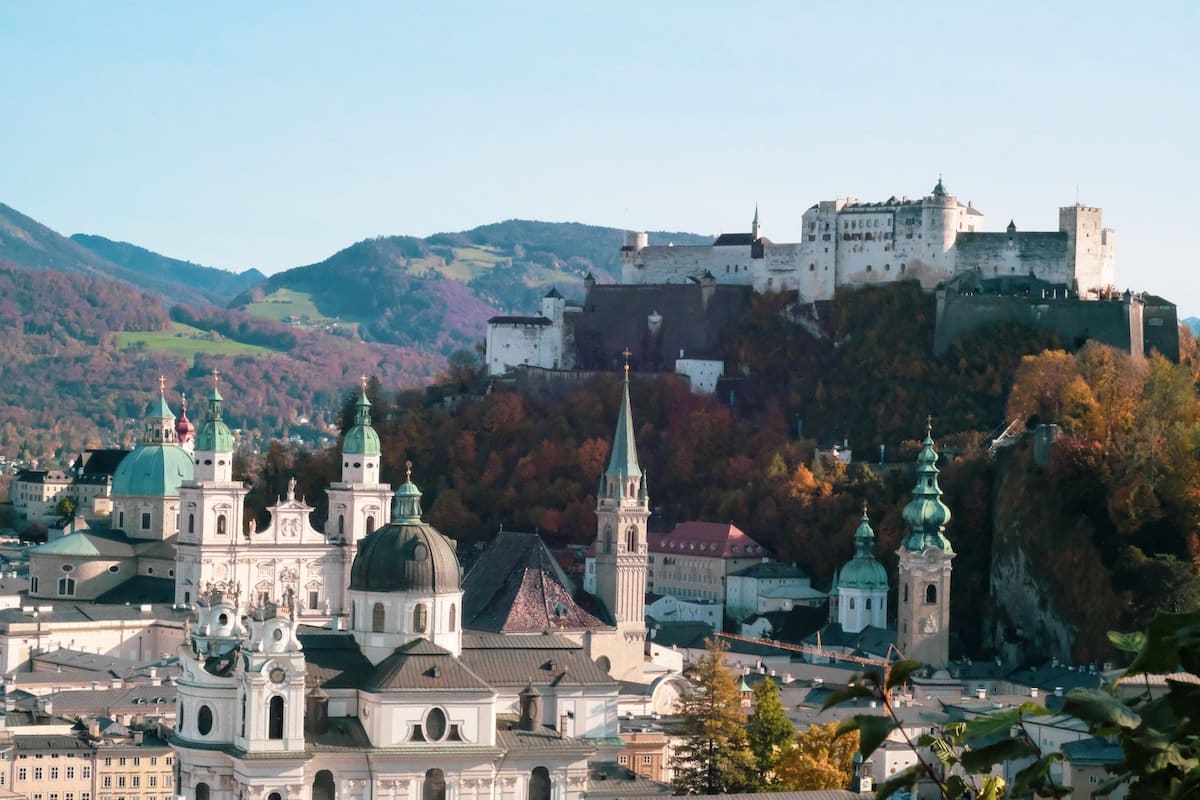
[1052, 592]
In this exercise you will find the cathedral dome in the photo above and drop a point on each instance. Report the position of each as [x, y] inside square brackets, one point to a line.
[406, 555]
[152, 470]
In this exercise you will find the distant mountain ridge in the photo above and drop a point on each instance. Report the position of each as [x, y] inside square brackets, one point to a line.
[439, 291]
[218, 285]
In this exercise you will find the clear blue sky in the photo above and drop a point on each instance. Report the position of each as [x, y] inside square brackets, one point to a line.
[273, 134]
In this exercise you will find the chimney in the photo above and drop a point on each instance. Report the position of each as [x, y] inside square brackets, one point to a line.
[531, 708]
[562, 724]
[138, 737]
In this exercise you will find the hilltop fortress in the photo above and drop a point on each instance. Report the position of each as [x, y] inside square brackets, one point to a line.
[850, 243]
[677, 306]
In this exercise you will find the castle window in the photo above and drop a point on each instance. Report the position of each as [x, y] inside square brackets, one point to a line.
[812, 267]
[66, 586]
[220, 524]
[377, 618]
[931, 594]
[275, 718]
[434, 786]
[868, 267]
[204, 720]
[539, 784]
[420, 618]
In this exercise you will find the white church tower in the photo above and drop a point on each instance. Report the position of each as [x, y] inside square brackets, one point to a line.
[211, 510]
[359, 503]
[622, 510]
[861, 585]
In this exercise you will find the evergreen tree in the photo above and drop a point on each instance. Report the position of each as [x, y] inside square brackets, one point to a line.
[714, 757]
[770, 731]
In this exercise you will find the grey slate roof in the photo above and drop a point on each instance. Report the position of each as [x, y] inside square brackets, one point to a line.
[333, 659]
[770, 569]
[141, 589]
[732, 239]
[420, 664]
[518, 666]
[517, 586]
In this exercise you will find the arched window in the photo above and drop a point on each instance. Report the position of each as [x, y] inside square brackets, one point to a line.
[274, 796]
[434, 787]
[851, 603]
[243, 715]
[220, 523]
[608, 539]
[931, 594]
[539, 784]
[322, 788]
[191, 523]
[341, 523]
[452, 625]
[66, 586]
[868, 604]
[202, 792]
[204, 721]
[275, 718]
[420, 618]
[377, 618]
[371, 524]
[906, 592]
[631, 540]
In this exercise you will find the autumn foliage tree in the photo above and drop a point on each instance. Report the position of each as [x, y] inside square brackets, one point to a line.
[817, 759]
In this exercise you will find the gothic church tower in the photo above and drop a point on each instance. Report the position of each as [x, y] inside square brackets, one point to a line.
[622, 509]
[923, 620]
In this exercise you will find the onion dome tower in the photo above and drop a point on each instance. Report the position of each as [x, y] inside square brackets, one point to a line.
[185, 431]
[862, 584]
[925, 566]
[145, 486]
[405, 583]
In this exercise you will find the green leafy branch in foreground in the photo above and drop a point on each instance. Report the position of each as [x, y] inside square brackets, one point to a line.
[1158, 733]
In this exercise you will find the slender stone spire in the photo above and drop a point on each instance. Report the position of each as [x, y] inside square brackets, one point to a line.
[624, 460]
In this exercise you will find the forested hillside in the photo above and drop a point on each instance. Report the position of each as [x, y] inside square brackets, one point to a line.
[439, 292]
[80, 358]
[531, 462]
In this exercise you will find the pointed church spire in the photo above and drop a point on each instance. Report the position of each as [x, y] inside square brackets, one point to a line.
[624, 461]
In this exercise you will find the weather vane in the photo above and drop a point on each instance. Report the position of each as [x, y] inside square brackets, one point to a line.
[408, 470]
[627, 353]
[362, 379]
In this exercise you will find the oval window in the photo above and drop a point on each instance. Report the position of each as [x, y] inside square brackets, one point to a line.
[277, 634]
[204, 720]
[67, 568]
[435, 725]
[114, 568]
[223, 619]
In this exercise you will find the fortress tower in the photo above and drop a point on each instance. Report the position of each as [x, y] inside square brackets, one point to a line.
[1090, 249]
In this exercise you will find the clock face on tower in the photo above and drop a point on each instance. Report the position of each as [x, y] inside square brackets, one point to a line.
[277, 675]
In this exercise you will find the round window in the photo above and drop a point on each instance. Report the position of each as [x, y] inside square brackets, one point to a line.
[149, 570]
[435, 725]
[277, 634]
[223, 619]
[67, 568]
[115, 568]
[208, 462]
[204, 721]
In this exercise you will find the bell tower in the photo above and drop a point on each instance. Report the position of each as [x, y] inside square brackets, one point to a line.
[622, 509]
[923, 619]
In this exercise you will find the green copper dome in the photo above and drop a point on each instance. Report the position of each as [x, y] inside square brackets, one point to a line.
[157, 464]
[863, 571]
[362, 440]
[926, 515]
[214, 435]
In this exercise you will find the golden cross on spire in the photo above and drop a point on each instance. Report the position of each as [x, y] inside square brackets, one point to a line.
[408, 470]
[929, 424]
[183, 401]
[864, 506]
[216, 373]
[627, 353]
[162, 384]
[362, 380]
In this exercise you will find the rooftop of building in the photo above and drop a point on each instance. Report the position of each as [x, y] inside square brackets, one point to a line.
[770, 569]
[710, 539]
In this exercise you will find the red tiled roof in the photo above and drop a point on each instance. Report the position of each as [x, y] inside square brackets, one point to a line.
[711, 539]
